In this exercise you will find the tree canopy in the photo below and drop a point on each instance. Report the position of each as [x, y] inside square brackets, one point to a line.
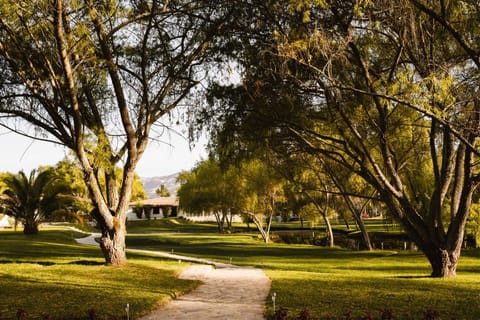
[386, 91]
[101, 78]
[381, 92]
[41, 195]
[252, 190]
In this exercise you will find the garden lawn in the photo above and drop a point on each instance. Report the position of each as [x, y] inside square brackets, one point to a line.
[50, 275]
[331, 282]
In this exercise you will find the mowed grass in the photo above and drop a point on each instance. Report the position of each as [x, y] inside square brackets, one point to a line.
[329, 282]
[50, 275]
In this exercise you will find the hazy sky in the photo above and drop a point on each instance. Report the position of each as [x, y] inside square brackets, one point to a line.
[20, 153]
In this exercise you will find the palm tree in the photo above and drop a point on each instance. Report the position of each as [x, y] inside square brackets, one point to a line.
[31, 199]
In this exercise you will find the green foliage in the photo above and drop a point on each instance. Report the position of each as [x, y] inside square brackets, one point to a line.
[70, 173]
[474, 224]
[383, 93]
[252, 189]
[41, 195]
[162, 191]
[309, 212]
[305, 7]
[201, 190]
[96, 77]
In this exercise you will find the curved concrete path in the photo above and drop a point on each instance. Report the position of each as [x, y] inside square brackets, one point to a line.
[227, 291]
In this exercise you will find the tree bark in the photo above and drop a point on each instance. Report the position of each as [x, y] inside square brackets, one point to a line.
[30, 227]
[112, 244]
[220, 220]
[443, 262]
[113, 248]
[30, 223]
[264, 232]
[356, 213]
[359, 221]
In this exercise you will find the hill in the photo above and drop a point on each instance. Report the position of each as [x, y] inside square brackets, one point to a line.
[150, 184]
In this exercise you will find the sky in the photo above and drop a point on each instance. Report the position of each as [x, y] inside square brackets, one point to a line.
[160, 159]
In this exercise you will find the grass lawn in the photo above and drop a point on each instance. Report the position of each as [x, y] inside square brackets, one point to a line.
[49, 274]
[329, 282]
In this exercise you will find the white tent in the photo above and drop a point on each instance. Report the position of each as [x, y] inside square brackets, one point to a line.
[4, 223]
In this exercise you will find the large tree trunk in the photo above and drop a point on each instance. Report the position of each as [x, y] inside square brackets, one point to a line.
[113, 244]
[443, 262]
[30, 227]
[441, 249]
[112, 241]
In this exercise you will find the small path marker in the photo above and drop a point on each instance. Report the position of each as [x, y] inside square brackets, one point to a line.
[274, 296]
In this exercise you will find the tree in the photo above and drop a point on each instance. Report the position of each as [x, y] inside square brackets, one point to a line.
[30, 199]
[203, 190]
[385, 90]
[307, 186]
[70, 173]
[251, 189]
[97, 77]
[162, 191]
[264, 192]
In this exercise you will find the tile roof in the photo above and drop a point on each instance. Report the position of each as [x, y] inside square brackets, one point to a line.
[160, 201]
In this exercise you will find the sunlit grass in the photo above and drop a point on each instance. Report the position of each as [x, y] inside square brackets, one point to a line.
[361, 293]
[332, 282]
[49, 274]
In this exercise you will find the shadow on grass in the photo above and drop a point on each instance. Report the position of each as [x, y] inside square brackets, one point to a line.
[50, 263]
[42, 263]
[87, 263]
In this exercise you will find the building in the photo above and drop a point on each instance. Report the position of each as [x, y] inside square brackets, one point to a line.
[154, 208]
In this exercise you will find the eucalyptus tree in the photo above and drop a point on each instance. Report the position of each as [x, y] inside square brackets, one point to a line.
[386, 90]
[98, 77]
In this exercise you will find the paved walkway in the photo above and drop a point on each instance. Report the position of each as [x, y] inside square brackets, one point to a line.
[227, 292]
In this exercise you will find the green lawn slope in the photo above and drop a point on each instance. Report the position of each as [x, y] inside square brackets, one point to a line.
[49, 276]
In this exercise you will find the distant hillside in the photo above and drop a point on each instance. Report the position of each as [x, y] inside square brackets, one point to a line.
[150, 184]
